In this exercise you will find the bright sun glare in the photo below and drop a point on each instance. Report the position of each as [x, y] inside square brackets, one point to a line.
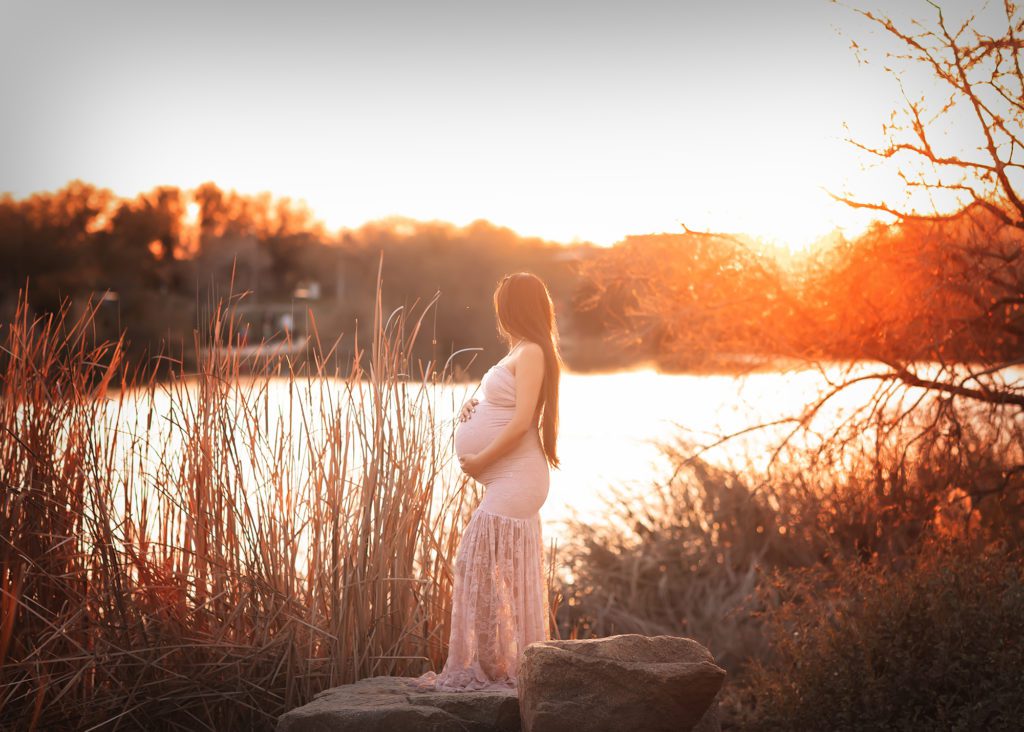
[610, 145]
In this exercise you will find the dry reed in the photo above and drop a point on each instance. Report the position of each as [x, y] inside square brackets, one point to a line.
[179, 554]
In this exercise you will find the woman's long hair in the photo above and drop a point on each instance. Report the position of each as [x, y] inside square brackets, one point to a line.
[524, 309]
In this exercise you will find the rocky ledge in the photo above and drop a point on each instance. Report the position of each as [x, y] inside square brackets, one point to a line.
[616, 683]
[387, 704]
[652, 683]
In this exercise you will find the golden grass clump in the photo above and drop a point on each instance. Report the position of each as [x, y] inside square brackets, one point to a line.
[208, 550]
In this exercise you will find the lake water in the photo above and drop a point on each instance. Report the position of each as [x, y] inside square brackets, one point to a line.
[610, 424]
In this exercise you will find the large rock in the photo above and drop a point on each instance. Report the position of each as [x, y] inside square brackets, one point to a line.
[387, 704]
[623, 682]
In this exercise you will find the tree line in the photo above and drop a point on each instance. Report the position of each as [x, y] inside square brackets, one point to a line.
[916, 290]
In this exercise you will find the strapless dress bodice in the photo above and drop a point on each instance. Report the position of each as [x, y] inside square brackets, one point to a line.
[493, 411]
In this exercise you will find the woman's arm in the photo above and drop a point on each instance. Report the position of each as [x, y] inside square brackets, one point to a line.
[529, 379]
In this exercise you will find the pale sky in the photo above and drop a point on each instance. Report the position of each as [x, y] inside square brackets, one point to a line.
[566, 120]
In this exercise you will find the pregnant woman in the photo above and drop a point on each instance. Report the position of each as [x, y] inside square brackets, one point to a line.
[506, 440]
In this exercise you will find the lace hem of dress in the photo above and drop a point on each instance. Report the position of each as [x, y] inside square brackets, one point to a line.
[499, 604]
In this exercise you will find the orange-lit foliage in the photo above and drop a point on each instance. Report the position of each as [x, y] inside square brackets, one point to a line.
[227, 214]
[921, 290]
[694, 301]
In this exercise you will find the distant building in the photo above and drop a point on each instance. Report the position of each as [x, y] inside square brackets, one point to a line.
[307, 290]
[261, 330]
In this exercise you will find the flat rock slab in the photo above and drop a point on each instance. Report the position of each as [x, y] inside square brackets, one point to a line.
[387, 704]
[623, 682]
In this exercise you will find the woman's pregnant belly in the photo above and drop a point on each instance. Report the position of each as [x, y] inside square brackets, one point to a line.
[517, 482]
[481, 428]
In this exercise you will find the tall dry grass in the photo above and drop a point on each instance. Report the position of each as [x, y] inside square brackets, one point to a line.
[695, 555]
[207, 551]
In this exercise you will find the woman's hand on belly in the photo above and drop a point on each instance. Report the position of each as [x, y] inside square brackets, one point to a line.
[470, 465]
[467, 410]
[475, 434]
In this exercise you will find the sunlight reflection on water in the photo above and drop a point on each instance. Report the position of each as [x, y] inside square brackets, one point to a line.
[609, 425]
[610, 422]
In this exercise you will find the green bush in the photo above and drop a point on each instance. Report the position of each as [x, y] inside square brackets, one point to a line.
[932, 641]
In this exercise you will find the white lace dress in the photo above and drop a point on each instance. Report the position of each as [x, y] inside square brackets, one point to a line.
[500, 602]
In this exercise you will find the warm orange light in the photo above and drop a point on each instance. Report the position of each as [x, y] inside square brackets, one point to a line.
[192, 210]
[190, 231]
[749, 146]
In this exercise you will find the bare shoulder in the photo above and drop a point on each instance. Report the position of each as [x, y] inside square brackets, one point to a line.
[531, 355]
